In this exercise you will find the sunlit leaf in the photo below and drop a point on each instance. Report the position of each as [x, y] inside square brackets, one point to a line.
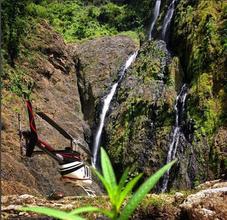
[105, 184]
[128, 188]
[123, 179]
[52, 213]
[107, 169]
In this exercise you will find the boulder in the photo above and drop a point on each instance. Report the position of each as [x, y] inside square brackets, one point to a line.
[98, 62]
[206, 204]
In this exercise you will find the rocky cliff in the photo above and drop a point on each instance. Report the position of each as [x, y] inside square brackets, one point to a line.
[98, 63]
[69, 81]
[199, 38]
[139, 129]
[64, 79]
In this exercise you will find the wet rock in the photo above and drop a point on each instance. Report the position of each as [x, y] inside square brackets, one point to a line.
[207, 92]
[139, 128]
[220, 152]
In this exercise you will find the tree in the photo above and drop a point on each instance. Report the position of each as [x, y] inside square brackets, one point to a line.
[13, 26]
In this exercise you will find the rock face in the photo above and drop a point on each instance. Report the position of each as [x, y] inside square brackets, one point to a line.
[56, 85]
[202, 51]
[130, 126]
[56, 70]
[98, 62]
[139, 128]
[55, 93]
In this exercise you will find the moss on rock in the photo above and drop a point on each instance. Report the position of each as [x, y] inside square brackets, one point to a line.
[200, 34]
[142, 115]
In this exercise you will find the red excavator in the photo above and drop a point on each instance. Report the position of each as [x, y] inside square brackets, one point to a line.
[71, 166]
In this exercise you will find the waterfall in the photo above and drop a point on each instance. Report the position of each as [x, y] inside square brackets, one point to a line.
[179, 109]
[167, 20]
[106, 105]
[154, 17]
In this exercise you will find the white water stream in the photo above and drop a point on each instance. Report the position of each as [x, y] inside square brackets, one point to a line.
[106, 106]
[179, 109]
[154, 17]
[168, 19]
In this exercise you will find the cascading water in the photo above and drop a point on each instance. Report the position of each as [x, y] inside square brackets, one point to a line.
[179, 109]
[155, 16]
[180, 99]
[106, 106]
[167, 20]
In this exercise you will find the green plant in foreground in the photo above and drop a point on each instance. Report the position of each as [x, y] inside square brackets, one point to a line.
[117, 194]
[73, 215]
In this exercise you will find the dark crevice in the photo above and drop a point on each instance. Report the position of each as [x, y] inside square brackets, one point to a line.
[87, 99]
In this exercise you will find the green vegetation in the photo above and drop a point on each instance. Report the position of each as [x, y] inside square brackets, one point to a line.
[19, 83]
[208, 109]
[130, 125]
[203, 29]
[16, 79]
[142, 116]
[154, 201]
[73, 215]
[76, 20]
[149, 63]
[117, 194]
[13, 27]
